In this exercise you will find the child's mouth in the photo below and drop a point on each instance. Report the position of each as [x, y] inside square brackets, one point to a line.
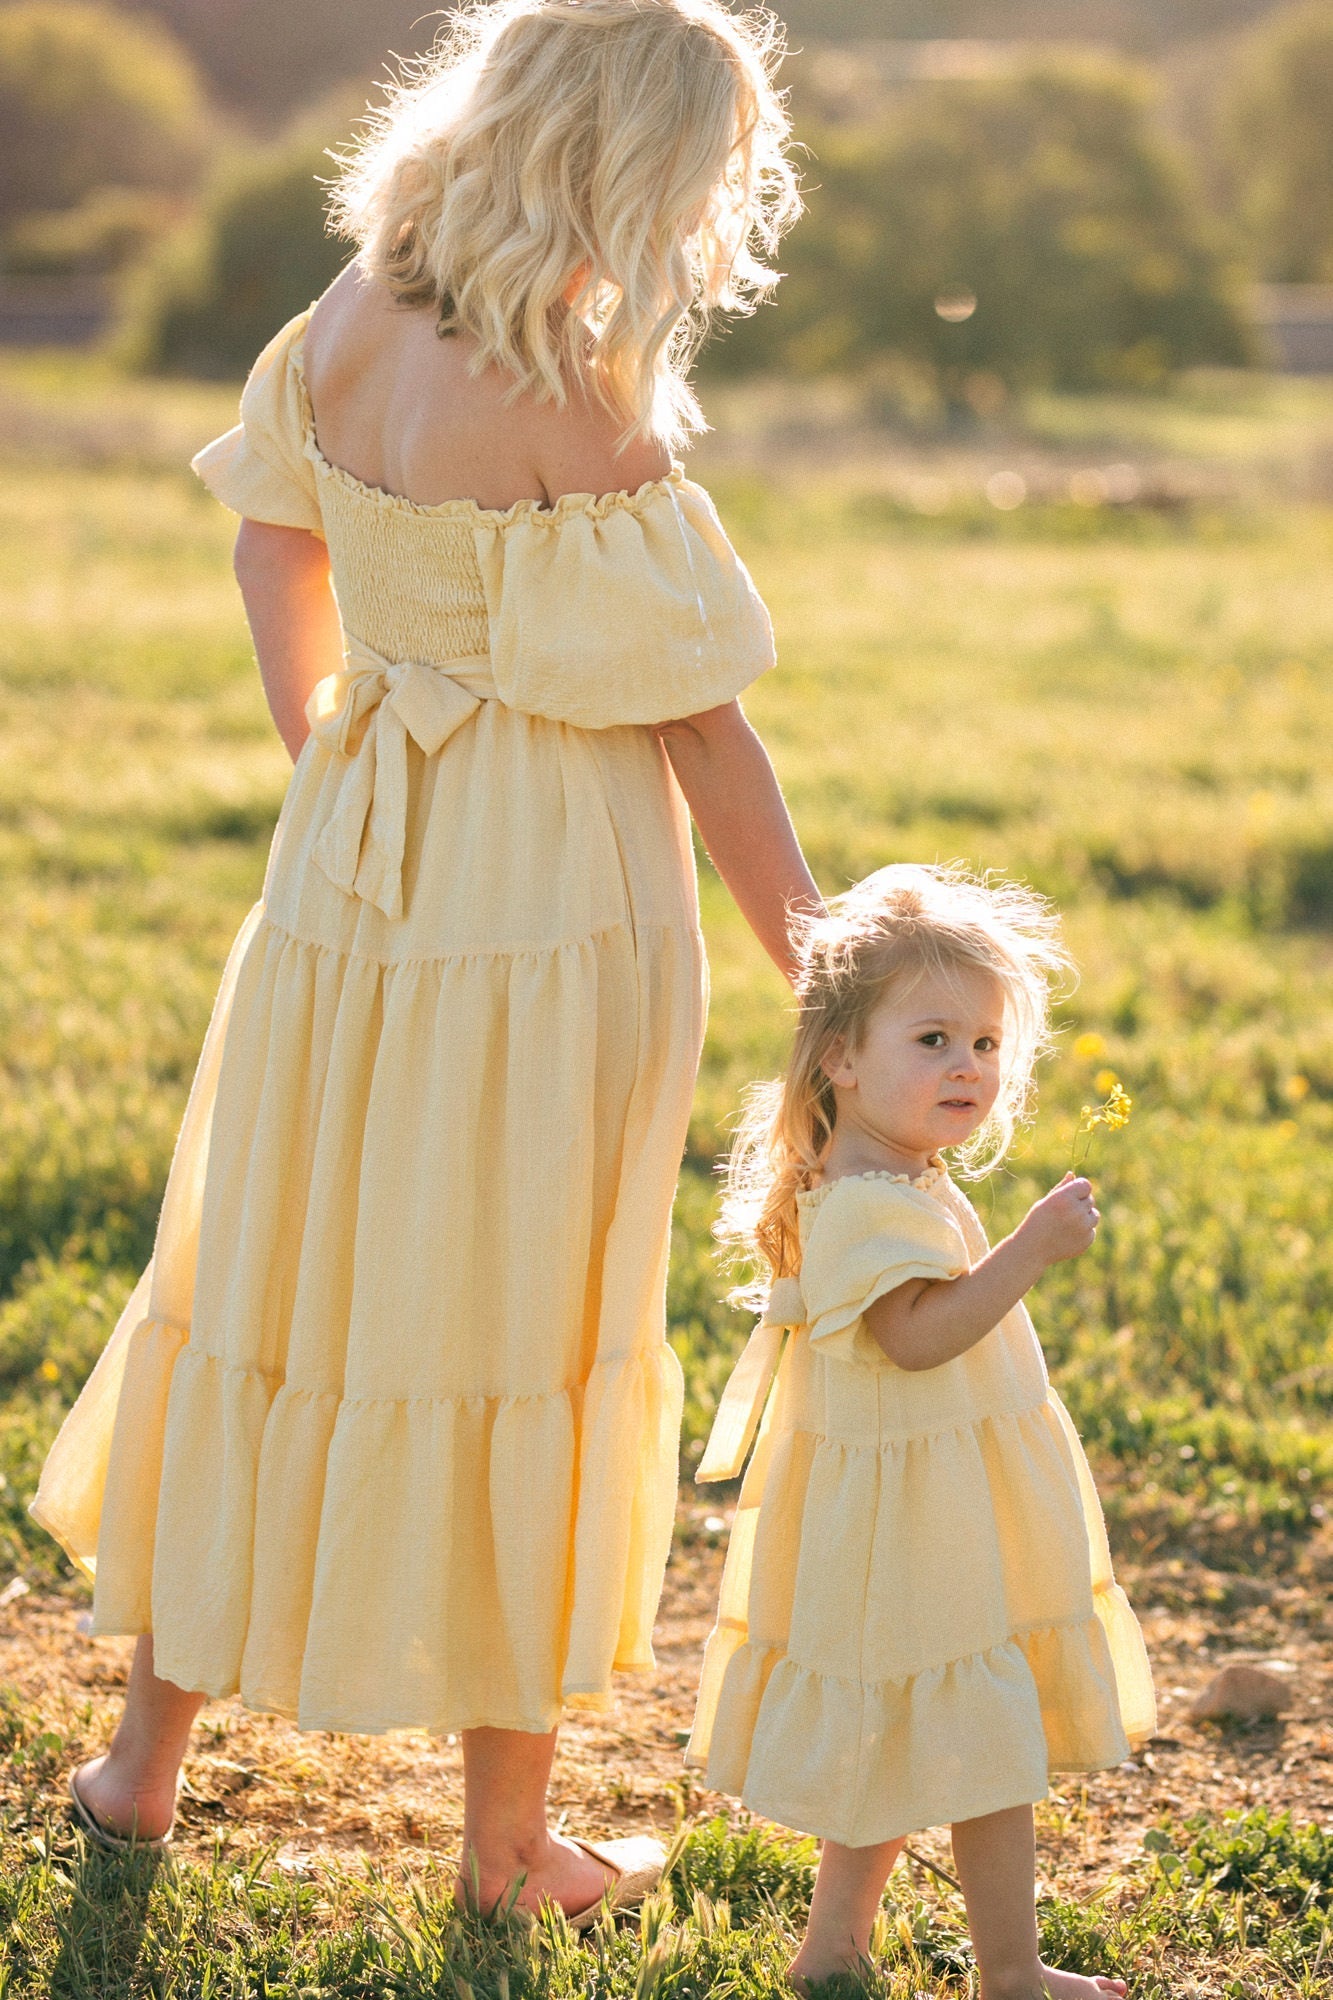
[958, 1104]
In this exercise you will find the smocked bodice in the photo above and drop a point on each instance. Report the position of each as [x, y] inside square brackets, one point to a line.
[598, 611]
[408, 584]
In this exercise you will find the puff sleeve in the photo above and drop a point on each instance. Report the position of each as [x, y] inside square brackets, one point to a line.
[262, 468]
[868, 1237]
[633, 608]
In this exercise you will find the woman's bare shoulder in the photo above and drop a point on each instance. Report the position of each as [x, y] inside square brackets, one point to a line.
[580, 451]
[406, 409]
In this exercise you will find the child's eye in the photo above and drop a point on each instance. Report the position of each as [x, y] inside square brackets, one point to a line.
[987, 1043]
[933, 1038]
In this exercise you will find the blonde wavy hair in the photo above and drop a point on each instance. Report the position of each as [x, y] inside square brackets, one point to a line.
[894, 929]
[636, 149]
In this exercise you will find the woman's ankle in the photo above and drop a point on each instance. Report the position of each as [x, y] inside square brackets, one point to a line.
[490, 1868]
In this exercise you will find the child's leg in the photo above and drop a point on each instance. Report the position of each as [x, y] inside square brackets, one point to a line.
[848, 1888]
[997, 1866]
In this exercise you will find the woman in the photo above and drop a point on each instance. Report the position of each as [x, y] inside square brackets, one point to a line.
[387, 1435]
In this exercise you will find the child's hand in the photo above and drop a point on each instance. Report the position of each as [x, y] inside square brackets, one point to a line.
[1063, 1223]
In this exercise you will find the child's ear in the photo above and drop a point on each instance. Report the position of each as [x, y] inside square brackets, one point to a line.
[836, 1063]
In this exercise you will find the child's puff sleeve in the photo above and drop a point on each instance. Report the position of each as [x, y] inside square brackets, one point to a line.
[869, 1236]
[263, 467]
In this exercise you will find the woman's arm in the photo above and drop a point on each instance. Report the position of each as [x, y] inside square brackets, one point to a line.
[284, 578]
[730, 787]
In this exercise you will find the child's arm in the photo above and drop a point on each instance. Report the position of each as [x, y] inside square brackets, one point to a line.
[932, 1320]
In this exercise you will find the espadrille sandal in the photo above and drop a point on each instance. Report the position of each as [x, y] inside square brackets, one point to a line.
[638, 1861]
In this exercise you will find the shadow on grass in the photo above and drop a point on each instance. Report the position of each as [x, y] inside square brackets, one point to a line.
[101, 1925]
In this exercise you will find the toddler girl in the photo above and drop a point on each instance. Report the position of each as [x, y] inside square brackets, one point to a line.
[918, 1618]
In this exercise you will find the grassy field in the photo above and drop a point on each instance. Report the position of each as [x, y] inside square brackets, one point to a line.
[1129, 704]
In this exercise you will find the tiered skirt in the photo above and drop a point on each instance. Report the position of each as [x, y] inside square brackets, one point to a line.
[388, 1434]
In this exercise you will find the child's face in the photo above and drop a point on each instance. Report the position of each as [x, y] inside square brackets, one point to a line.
[927, 1069]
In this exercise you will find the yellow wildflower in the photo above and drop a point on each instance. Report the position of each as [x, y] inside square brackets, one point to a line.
[1112, 1114]
[1088, 1047]
[1296, 1088]
[1105, 1080]
[49, 1372]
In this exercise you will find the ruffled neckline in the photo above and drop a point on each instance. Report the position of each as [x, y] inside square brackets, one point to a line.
[935, 1172]
[595, 505]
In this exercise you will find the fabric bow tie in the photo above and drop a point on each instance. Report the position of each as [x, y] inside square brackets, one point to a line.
[748, 1385]
[366, 714]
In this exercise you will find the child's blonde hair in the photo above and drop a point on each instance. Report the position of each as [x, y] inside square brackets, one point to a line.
[640, 143]
[897, 927]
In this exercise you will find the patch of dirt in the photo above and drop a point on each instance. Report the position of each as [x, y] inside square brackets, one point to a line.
[254, 1781]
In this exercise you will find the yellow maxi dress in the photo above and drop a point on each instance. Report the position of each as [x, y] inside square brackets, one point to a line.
[918, 1619]
[387, 1435]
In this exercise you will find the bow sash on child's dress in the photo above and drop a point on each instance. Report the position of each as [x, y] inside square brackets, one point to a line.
[750, 1380]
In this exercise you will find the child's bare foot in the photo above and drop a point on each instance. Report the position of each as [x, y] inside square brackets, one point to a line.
[1052, 1985]
[1073, 1985]
[807, 1969]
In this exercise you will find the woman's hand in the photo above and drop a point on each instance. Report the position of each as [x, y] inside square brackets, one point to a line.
[284, 578]
[730, 787]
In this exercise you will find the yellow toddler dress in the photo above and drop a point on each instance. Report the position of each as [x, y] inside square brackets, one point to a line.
[388, 1433]
[918, 1619]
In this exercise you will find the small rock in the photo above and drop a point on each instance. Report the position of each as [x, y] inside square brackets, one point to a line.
[1246, 1693]
[299, 1867]
[17, 1587]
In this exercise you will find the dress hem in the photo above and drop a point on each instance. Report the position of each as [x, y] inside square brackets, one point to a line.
[977, 1808]
[599, 1701]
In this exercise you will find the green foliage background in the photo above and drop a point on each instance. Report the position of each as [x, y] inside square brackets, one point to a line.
[1053, 188]
[1046, 198]
[1277, 119]
[89, 99]
[212, 295]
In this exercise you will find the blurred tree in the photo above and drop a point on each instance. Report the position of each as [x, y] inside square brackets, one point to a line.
[107, 232]
[1030, 228]
[1128, 23]
[213, 295]
[91, 99]
[1280, 124]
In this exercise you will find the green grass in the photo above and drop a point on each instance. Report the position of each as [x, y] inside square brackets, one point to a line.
[1132, 709]
[1249, 1895]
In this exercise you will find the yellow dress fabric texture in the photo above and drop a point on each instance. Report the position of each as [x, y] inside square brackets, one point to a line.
[387, 1435]
[918, 1619]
